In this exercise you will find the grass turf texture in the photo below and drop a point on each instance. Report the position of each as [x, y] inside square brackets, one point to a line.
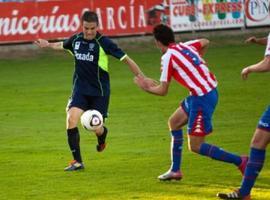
[33, 144]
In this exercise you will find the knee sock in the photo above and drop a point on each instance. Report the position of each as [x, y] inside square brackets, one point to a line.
[74, 143]
[254, 166]
[102, 138]
[176, 149]
[219, 154]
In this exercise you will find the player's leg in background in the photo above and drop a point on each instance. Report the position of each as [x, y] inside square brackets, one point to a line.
[200, 124]
[255, 164]
[198, 145]
[258, 145]
[176, 121]
[73, 117]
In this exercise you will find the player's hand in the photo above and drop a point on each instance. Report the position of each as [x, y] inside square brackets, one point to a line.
[42, 43]
[150, 82]
[245, 73]
[145, 82]
[139, 80]
[251, 40]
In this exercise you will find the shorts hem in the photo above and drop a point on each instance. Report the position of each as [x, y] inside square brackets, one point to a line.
[264, 129]
[200, 134]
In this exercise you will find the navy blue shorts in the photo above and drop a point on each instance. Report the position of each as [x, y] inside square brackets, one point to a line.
[264, 122]
[85, 102]
[199, 110]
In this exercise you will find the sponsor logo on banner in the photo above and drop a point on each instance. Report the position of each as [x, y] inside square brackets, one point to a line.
[131, 17]
[257, 12]
[206, 14]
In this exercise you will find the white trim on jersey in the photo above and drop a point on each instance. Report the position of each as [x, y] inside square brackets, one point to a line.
[165, 68]
[267, 50]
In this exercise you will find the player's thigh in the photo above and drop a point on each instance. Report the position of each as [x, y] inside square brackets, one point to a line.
[178, 119]
[261, 139]
[261, 136]
[77, 100]
[200, 114]
[100, 103]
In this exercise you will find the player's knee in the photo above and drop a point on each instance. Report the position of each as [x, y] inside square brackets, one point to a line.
[260, 139]
[258, 143]
[174, 124]
[194, 147]
[72, 121]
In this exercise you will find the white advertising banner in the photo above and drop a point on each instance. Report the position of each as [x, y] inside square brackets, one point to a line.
[257, 12]
[189, 15]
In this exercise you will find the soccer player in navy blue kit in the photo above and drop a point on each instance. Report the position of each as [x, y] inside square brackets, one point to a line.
[261, 137]
[91, 83]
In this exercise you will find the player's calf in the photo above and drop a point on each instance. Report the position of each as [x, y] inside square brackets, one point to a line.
[102, 140]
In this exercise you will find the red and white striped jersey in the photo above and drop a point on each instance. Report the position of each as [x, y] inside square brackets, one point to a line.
[183, 62]
[267, 50]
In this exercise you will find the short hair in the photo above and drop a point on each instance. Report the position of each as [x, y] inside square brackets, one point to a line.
[90, 16]
[164, 34]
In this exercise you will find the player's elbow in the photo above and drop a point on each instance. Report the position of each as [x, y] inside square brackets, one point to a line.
[163, 93]
[267, 62]
[204, 42]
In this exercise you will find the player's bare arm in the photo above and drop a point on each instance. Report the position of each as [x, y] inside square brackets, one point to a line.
[134, 68]
[46, 44]
[263, 66]
[205, 44]
[253, 39]
[151, 86]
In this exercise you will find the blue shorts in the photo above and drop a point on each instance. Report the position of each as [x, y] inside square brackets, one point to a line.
[199, 110]
[264, 122]
[85, 102]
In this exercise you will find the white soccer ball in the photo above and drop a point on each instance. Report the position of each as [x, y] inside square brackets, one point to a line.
[91, 120]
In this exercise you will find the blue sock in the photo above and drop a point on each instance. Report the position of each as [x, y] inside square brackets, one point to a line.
[254, 166]
[219, 154]
[176, 149]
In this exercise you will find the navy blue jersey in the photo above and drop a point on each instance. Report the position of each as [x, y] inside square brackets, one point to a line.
[91, 75]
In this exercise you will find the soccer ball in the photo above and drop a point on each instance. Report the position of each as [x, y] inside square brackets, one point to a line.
[91, 120]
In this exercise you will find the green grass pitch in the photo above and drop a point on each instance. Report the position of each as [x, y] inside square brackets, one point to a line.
[33, 145]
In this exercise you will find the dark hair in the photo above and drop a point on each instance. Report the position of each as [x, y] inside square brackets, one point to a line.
[163, 34]
[90, 16]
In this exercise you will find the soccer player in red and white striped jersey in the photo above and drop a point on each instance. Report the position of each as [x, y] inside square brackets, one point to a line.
[184, 63]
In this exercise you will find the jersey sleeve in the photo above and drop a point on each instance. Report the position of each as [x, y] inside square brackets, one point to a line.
[166, 68]
[267, 50]
[68, 43]
[111, 48]
[195, 44]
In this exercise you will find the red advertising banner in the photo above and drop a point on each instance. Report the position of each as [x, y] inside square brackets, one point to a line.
[129, 17]
[58, 19]
[22, 22]
[27, 21]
